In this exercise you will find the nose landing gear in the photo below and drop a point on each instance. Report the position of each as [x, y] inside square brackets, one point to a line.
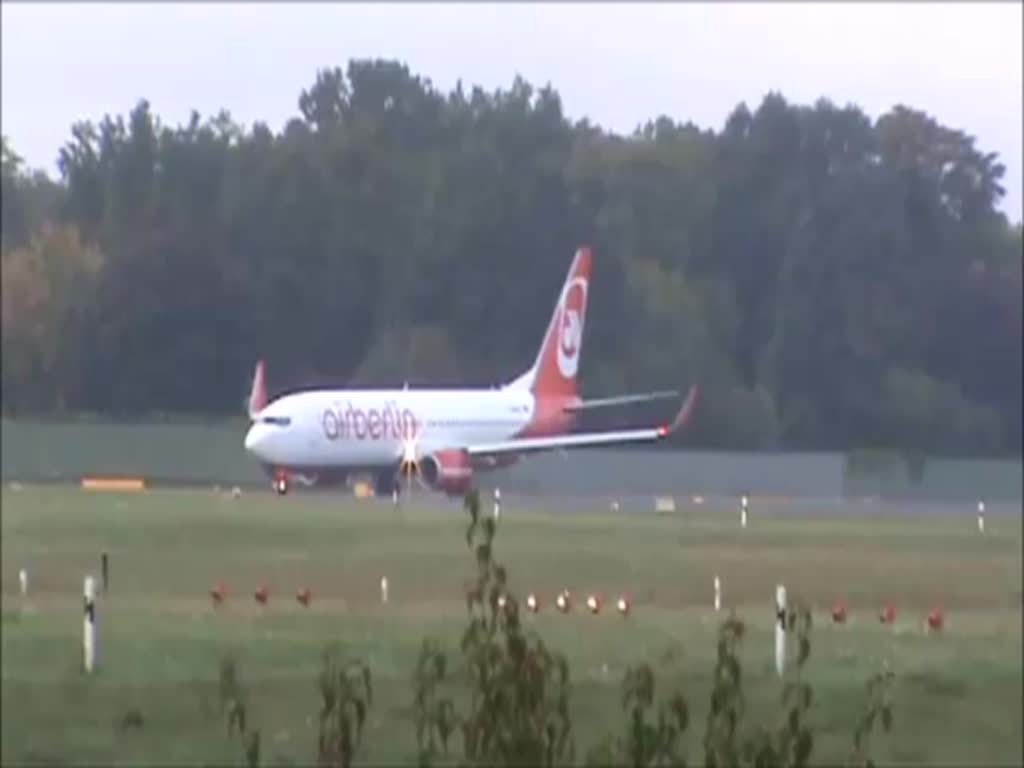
[281, 483]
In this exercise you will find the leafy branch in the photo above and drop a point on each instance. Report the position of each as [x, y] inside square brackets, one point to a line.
[878, 711]
[346, 692]
[234, 706]
[518, 711]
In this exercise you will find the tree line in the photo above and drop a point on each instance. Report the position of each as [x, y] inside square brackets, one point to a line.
[830, 280]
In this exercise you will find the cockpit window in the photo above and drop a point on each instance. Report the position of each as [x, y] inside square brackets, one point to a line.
[277, 421]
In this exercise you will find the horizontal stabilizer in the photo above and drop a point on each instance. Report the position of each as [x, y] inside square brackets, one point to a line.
[609, 402]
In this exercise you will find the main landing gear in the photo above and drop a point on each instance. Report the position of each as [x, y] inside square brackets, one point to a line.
[386, 485]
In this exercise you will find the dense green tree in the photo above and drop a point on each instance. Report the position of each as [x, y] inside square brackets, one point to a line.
[48, 287]
[30, 199]
[832, 281]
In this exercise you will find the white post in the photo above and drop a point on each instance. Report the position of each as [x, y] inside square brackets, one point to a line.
[718, 595]
[780, 629]
[23, 581]
[743, 511]
[89, 638]
[497, 503]
[981, 516]
[384, 589]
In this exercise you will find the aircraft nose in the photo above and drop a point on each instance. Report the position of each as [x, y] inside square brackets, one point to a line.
[252, 438]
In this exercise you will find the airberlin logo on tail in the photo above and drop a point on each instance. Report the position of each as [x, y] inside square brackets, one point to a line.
[370, 423]
[570, 331]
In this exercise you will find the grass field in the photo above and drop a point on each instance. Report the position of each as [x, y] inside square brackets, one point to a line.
[957, 698]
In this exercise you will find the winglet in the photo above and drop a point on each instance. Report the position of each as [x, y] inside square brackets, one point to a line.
[258, 394]
[683, 416]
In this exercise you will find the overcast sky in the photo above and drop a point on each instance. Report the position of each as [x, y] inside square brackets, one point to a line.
[616, 64]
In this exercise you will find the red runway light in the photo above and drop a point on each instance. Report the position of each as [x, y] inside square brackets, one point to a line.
[839, 612]
[218, 593]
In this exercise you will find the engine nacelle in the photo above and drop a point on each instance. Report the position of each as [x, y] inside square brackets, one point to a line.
[449, 470]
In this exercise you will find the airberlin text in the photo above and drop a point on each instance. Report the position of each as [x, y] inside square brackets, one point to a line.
[347, 423]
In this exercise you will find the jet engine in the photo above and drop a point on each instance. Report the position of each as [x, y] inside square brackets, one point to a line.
[449, 470]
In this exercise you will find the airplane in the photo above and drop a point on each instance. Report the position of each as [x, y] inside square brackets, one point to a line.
[445, 437]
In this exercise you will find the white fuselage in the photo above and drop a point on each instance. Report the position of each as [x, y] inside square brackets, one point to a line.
[371, 428]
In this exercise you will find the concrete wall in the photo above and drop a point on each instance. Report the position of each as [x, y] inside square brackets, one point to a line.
[191, 453]
[212, 454]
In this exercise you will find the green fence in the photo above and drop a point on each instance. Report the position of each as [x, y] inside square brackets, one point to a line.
[212, 454]
[891, 475]
[182, 453]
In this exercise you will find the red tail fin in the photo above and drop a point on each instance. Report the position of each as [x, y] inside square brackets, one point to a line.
[554, 373]
[258, 394]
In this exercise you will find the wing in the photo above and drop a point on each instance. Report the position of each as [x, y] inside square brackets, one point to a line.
[586, 439]
[608, 402]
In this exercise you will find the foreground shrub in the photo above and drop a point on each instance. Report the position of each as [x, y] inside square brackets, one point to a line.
[234, 707]
[518, 693]
[518, 712]
[516, 702]
[346, 693]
